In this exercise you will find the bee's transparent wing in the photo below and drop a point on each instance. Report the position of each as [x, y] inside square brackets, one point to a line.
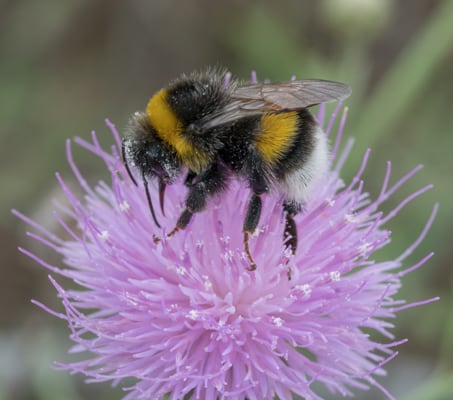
[294, 94]
[291, 95]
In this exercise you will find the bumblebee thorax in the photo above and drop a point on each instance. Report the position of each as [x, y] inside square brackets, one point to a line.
[170, 130]
[163, 118]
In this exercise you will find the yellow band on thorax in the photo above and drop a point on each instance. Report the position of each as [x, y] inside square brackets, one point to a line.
[170, 129]
[276, 134]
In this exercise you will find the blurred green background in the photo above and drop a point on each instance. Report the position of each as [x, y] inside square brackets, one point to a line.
[67, 65]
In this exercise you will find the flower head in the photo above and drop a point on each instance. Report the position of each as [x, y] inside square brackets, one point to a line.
[186, 318]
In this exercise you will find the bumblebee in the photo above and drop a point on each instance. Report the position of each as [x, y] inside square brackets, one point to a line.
[262, 133]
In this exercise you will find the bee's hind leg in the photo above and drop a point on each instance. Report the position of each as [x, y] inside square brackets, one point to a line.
[250, 223]
[290, 233]
[259, 184]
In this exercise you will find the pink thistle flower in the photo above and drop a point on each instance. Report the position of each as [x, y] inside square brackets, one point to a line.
[185, 318]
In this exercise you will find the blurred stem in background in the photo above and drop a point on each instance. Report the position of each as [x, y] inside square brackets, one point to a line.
[406, 81]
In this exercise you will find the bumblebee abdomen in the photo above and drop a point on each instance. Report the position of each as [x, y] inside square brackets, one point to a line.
[301, 144]
[306, 162]
[276, 136]
[295, 149]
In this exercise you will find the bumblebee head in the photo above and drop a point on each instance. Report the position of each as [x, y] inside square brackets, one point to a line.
[144, 150]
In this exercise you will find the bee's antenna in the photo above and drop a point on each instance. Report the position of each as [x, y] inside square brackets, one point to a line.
[123, 153]
[150, 203]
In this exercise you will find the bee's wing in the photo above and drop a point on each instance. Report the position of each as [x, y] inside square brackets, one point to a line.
[294, 94]
[291, 95]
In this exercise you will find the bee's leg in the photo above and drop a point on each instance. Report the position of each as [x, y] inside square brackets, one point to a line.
[189, 181]
[201, 186]
[258, 181]
[183, 221]
[250, 223]
[189, 178]
[290, 233]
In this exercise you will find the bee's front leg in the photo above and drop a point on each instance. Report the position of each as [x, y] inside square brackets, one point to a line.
[210, 182]
[190, 178]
